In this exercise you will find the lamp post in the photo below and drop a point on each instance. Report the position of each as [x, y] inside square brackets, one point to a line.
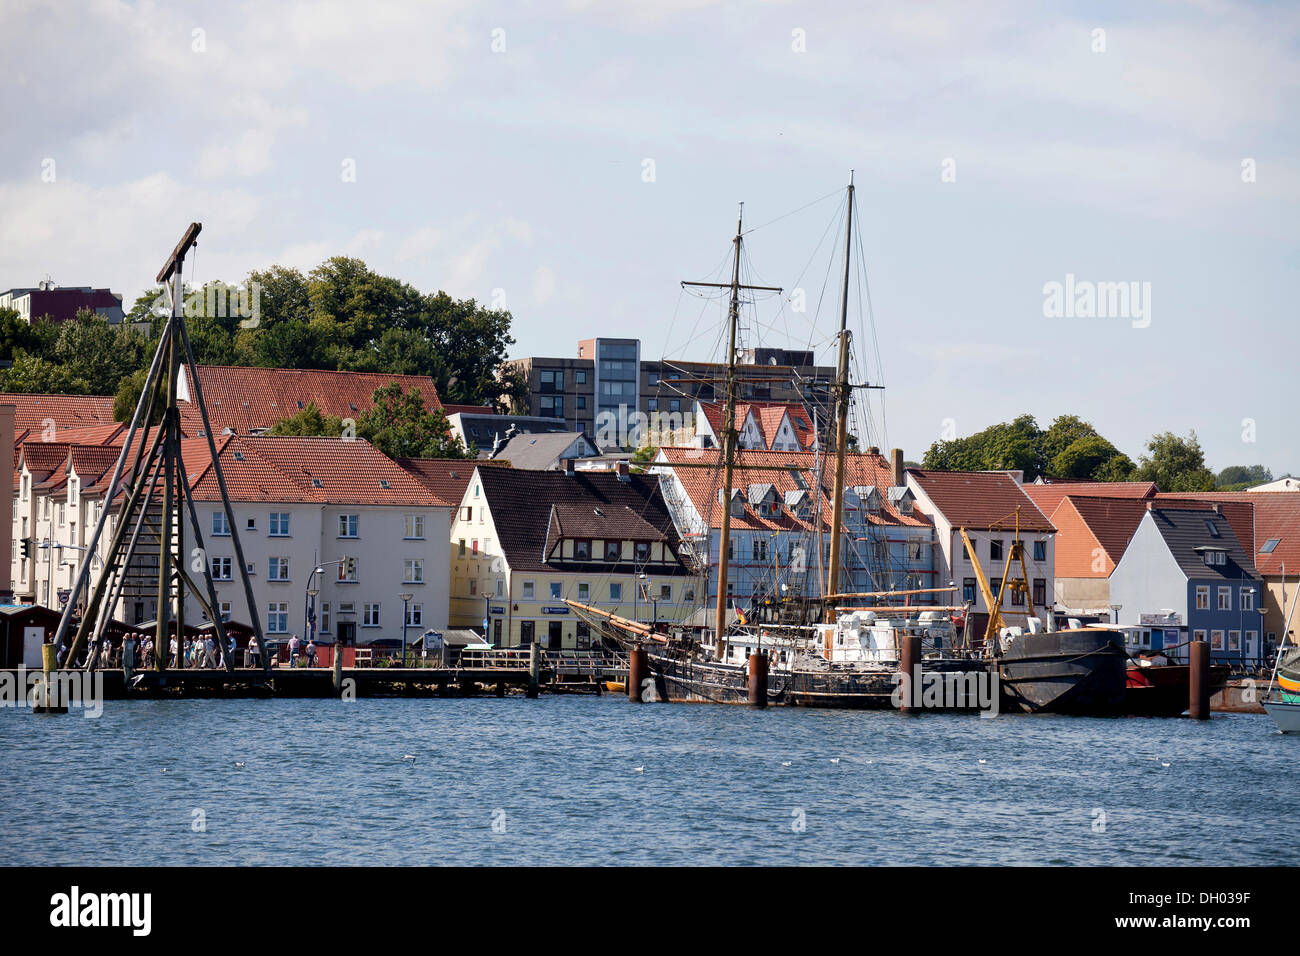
[405, 598]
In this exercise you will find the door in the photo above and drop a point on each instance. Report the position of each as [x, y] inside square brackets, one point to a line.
[347, 633]
[555, 635]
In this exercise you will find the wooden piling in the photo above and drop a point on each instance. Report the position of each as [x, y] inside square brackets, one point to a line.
[534, 670]
[758, 679]
[1198, 679]
[50, 704]
[336, 667]
[637, 668]
[909, 661]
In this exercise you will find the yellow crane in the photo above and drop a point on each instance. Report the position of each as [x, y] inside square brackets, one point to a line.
[1020, 584]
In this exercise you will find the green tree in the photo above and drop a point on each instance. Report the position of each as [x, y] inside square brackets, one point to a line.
[1242, 476]
[1087, 458]
[1007, 445]
[397, 424]
[1175, 464]
[307, 422]
[642, 458]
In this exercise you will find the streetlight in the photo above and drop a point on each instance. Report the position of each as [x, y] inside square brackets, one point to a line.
[405, 598]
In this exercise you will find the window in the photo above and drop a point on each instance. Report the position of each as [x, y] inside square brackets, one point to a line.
[413, 527]
[221, 569]
[415, 615]
[501, 587]
[1248, 599]
[552, 405]
[1234, 640]
[279, 524]
[370, 615]
[348, 569]
[582, 634]
[995, 550]
[581, 550]
[467, 512]
[347, 526]
[251, 524]
[552, 380]
[642, 552]
[1198, 635]
[1225, 599]
[580, 376]
[688, 594]
[613, 550]
[325, 617]
[223, 609]
[277, 618]
[277, 569]
[1017, 597]
[968, 590]
[1040, 550]
[581, 401]
[652, 404]
[914, 550]
[462, 548]
[1211, 527]
[473, 546]
[526, 631]
[473, 587]
[674, 405]
[530, 590]
[1216, 640]
[557, 590]
[413, 571]
[249, 567]
[1202, 597]
[1269, 545]
[615, 591]
[220, 526]
[665, 592]
[1040, 592]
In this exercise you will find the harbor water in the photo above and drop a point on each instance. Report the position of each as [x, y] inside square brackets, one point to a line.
[587, 780]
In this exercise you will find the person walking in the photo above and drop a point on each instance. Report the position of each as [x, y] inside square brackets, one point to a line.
[293, 651]
[311, 653]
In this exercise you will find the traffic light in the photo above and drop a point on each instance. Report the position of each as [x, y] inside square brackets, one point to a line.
[27, 548]
[350, 564]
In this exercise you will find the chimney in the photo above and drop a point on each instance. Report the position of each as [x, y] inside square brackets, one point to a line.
[622, 470]
[873, 450]
[567, 465]
[896, 466]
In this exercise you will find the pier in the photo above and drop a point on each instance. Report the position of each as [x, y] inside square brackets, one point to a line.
[478, 673]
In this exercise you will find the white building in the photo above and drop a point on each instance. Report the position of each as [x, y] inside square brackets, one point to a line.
[299, 504]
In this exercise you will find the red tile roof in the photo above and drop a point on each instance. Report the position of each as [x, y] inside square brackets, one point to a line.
[1084, 523]
[289, 470]
[981, 499]
[243, 399]
[446, 478]
[1049, 496]
[702, 484]
[66, 411]
[767, 415]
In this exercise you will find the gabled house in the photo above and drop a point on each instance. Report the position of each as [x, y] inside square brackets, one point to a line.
[1091, 536]
[1186, 576]
[523, 542]
[989, 505]
[781, 519]
[760, 426]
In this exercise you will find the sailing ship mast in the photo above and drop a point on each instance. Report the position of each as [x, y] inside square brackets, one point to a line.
[843, 395]
[729, 430]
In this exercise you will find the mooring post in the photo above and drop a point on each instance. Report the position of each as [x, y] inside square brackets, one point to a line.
[758, 679]
[909, 661]
[47, 668]
[336, 666]
[534, 670]
[637, 665]
[1198, 679]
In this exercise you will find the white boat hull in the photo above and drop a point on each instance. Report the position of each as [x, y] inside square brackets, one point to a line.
[1286, 716]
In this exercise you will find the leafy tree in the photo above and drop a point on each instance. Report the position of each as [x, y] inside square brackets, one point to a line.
[1242, 476]
[397, 424]
[32, 374]
[1175, 464]
[1086, 457]
[1007, 445]
[642, 458]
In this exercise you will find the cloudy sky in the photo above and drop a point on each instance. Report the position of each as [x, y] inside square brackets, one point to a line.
[507, 149]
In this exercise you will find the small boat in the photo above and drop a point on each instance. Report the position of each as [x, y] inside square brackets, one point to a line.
[1162, 690]
[616, 686]
[1282, 700]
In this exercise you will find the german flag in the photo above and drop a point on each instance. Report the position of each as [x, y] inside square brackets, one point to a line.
[740, 614]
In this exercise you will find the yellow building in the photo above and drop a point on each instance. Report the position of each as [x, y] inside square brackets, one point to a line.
[524, 542]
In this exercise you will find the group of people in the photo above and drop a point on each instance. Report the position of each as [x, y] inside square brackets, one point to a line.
[137, 653]
[298, 652]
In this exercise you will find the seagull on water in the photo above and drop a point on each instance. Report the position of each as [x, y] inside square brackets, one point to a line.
[982, 760]
[408, 756]
[640, 769]
[835, 760]
[239, 763]
[786, 763]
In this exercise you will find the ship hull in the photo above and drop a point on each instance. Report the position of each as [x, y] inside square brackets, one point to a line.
[1065, 672]
[1285, 714]
[679, 679]
[1165, 691]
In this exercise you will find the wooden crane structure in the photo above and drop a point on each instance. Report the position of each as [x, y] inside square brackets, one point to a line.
[1018, 585]
[150, 477]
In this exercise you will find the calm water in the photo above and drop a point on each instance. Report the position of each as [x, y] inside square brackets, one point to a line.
[326, 782]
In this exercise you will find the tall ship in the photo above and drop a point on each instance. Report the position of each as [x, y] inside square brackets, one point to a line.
[826, 645]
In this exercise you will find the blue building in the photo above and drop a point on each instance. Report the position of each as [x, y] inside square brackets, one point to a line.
[1185, 577]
